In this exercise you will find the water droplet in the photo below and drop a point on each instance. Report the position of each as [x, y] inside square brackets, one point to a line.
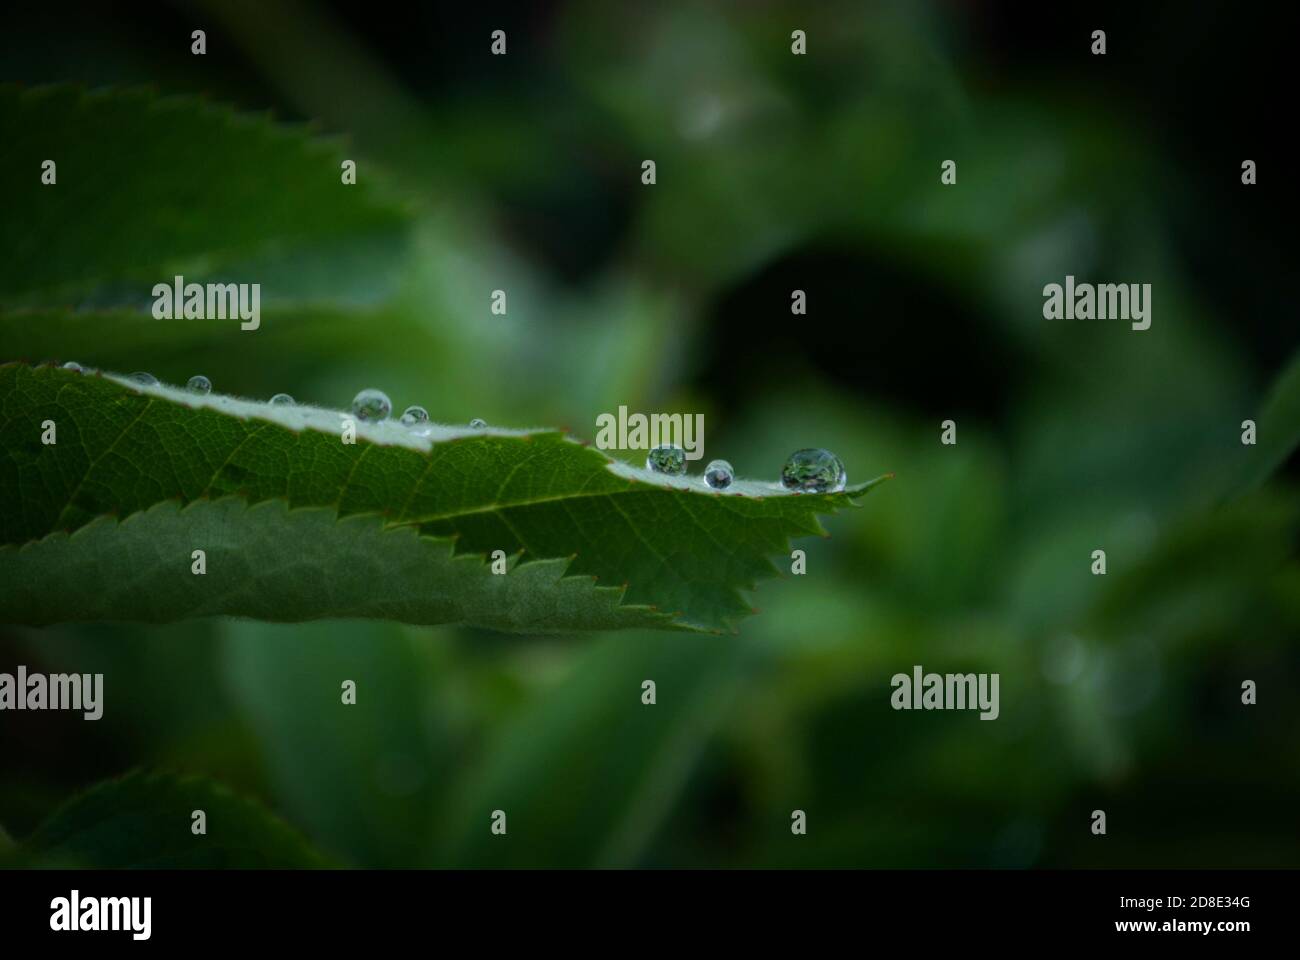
[148, 379]
[813, 471]
[74, 367]
[667, 459]
[281, 400]
[413, 415]
[371, 405]
[718, 474]
[478, 424]
[198, 384]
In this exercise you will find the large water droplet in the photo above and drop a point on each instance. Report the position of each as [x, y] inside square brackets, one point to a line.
[813, 471]
[281, 400]
[718, 474]
[371, 405]
[414, 415]
[148, 379]
[667, 459]
[74, 367]
[198, 384]
[478, 424]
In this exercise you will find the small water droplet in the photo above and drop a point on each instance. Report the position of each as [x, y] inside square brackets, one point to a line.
[74, 367]
[718, 474]
[667, 459]
[281, 400]
[813, 471]
[371, 405]
[478, 424]
[148, 379]
[198, 384]
[413, 415]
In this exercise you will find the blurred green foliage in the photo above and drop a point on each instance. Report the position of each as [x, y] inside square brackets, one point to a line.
[1119, 692]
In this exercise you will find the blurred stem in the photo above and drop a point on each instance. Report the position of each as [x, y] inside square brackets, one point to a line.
[1278, 422]
[329, 76]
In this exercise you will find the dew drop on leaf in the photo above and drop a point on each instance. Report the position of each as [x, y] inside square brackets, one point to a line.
[478, 424]
[371, 405]
[198, 384]
[74, 367]
[718, 474]
[147, 379]
[281, 400]
[813, 470]
[414, 415]
[667, 459]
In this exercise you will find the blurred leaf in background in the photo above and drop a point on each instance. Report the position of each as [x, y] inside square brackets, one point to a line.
[775, 173]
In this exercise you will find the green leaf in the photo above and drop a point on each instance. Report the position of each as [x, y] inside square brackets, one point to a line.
[272, 563]
[1277, 430]
[370, 797]
[587, 774]
[199, 187]
[300, 339]
[143, 820]
[298, 525]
